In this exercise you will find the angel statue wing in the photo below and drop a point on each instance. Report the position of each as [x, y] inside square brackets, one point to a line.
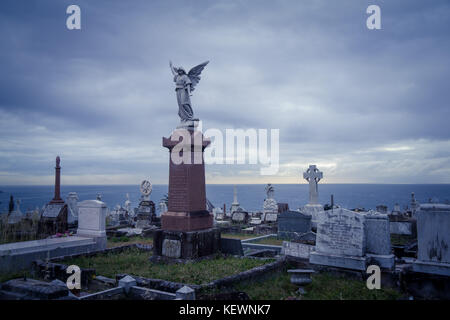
[194, 74]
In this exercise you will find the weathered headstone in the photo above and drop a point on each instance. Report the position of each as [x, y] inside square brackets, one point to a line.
[171, 248]
[240, 216]
[146, 209]
[292, 224]
[271, 217]
[340, 240]
[255, 221]
[433, 239]
[378, 240]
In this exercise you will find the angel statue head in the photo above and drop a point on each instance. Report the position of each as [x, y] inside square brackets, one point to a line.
[184, 85]
[181, 71]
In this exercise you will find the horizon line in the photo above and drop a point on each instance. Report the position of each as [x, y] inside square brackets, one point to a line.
[231, 184]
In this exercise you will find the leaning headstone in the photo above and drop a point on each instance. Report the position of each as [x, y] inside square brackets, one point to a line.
[292, 224]
[92, 221]
[340, 240]
[378, 240]
[433, 239]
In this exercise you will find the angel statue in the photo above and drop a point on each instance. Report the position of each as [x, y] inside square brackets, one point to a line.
[270, 191]
[185, 84]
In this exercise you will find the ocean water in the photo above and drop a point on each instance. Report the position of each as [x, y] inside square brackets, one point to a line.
[250, 196]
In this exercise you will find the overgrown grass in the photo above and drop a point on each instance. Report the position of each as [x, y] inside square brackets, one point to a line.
[25, 230]
[241, 236]
[14, 275]
[135, 262]
[276, 287]
[330, 287]
[122, 241]
[323, 287]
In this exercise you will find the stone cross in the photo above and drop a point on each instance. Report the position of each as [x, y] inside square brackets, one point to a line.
[313, 176]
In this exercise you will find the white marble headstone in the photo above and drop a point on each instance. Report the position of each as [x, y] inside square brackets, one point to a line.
[91, 218]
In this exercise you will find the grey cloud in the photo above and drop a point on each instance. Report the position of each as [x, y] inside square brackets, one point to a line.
[103, 96]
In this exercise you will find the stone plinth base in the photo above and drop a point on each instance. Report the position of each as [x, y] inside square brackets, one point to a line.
[186, 221]
[383, 261]
[346, 262]
[185, 245]
[314, 210]
[437, 268]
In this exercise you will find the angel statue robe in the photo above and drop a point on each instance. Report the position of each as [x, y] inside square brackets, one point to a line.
[184, 102]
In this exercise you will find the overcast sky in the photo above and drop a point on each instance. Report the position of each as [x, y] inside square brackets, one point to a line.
[365, 106]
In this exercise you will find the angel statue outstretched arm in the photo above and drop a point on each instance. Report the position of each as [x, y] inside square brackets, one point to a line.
[184, 85]
[174, 71]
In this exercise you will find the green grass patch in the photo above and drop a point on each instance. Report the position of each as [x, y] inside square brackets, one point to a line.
[122, 241]
[276, 287]
[323, 287]
[241, 236]
[135, 262]
[330, 287]
[269, 240]
[14, 275]
[401, 239]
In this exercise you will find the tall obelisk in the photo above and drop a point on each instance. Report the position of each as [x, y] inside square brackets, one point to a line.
[57, 197]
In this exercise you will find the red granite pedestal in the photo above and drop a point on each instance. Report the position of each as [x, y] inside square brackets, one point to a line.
[187, 227]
